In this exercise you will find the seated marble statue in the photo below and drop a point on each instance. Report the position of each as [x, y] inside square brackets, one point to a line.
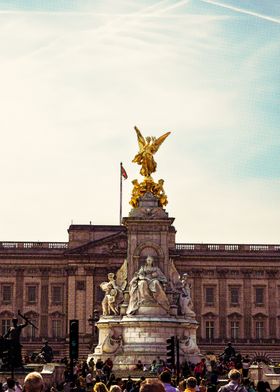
[146, 288]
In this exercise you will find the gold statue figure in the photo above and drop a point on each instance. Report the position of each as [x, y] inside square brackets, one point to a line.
[147, 148]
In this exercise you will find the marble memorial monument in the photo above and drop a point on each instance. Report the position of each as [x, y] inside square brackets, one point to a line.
[146, 301]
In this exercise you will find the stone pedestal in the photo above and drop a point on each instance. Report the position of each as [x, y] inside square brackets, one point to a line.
[144, 337]
[156, 302]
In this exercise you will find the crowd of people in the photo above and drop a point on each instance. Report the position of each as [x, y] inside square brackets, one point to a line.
[208, 375]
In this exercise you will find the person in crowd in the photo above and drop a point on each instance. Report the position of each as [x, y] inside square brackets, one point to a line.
[182, 385]
[245, 366]
[82, 383]
[98, 366]
[139, 365]
[91, 365]
[200, 370]
[234, 383]
[202, 385]
[33, 382]
[11, 384]
[111, 381]
[129, 384]
[89, 380]
[248, 385]
[267, 386]
[152, 385]
[47, 352]
[115, 388]
[100, 387]
[228, 353]
[165, 378]
[191, 384]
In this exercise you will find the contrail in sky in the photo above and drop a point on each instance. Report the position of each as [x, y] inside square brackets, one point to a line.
[242, 11]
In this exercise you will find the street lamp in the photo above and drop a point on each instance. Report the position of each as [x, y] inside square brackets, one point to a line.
[92, 320]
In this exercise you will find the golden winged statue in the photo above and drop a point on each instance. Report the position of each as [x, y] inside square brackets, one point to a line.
[147, 148]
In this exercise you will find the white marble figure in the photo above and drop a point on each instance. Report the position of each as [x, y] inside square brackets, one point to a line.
[113, 296]
[146, 288]
[114, 289]
[185, 300]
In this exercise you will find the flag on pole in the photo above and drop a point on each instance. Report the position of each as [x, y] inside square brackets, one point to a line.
[124, 173]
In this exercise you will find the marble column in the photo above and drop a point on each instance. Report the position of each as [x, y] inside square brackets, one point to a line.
[222, 306]
[247, 309]
[44, 305]
[272, 302]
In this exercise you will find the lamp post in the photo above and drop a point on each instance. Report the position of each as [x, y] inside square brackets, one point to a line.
[92, 320]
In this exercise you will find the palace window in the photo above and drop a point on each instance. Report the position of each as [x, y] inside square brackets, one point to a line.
[5, 325]
[209, 330]
[80, 285]
[259, 296]
[31, 331]
[209, 296]
[259, 329]
[56, 328]
[7, 293]
[234, 330]
[57, 295]
[234, 295]
[31, 294]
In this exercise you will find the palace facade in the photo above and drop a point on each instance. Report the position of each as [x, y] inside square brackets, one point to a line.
[235, 288]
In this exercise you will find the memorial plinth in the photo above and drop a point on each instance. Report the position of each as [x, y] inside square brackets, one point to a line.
[155, 301]
[145, 338]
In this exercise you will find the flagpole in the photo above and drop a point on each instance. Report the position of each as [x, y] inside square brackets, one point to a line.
[121, 193]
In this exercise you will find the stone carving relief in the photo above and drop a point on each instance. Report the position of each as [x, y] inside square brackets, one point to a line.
[114, 289]
[111, 343]
[188, 345]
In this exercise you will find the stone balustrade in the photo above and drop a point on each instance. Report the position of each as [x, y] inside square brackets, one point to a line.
[228, 247]
[33, 245]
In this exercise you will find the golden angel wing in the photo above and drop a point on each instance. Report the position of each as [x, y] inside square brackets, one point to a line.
[140, 138]
[121, 276]
[156, 144]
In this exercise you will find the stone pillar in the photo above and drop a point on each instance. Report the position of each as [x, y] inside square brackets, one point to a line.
[222, 306]
[272, 303]
[247, 310]
[90, 300]
[44, 305]
[19, 288]
[71, 294]
[197, 296]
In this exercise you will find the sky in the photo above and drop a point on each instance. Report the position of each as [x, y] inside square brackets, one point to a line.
[77, 76]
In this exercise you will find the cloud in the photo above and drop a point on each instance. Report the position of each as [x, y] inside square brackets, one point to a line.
[243, 11]
[74, 84]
